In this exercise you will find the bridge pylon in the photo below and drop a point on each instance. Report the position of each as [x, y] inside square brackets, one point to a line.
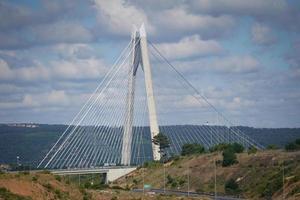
[140, 57]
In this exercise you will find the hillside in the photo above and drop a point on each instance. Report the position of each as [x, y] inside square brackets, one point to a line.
[258, 176]
[44, 186]
[32, 143]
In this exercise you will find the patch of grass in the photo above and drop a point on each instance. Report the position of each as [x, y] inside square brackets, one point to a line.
[152, 164]
[58, 178]
[295, 190]
[48, 186]
[7, 195]
[34, 179]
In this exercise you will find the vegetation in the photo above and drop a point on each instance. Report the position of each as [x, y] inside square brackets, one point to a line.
[190, 149]
[231, 186]
[235, 147]
[174, 182]
[252, 150]
[293, 146]
[7, 195]
[219, 147]
[252, 177]
[229, 157]
[272, 147]
[163, 142]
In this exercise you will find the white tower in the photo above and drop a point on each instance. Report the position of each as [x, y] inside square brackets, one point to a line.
[140, 56]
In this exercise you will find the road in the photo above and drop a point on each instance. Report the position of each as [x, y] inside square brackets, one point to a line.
[184, 193]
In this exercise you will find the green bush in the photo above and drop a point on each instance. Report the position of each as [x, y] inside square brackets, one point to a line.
[34, 178]
[272, 147]
[219, 147]
[272, 186]
[58, 178]
[229, 157]
[293, 146]
[231, 186]
[190, 149]
[135, 181]
[237, 148]
[48, 186]
[7, 195]
[252, 150]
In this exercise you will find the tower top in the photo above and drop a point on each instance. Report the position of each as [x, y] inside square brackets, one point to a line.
[142, 30]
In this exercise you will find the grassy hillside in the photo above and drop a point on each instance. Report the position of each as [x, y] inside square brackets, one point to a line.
[257, 176]
[44, 186]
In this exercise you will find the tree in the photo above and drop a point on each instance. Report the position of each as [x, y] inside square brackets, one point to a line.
[163, 142]
[237, 148]
[231, 186]
[219, 147]
[189, 149]
[291, 146]
[229, 157]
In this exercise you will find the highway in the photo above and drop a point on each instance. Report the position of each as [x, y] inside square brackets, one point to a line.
[184, 193]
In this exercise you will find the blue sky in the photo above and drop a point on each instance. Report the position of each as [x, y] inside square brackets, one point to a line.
[243, 55]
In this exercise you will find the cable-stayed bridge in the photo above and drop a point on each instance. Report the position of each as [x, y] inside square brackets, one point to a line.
[134, 102]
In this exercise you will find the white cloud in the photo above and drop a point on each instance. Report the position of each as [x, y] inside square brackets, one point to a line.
[189, 101]
[254, 7]
[236, 64]
[119, 16]
[73, 69]
[178, 20]
[78, 69]
[5, 71]
[262, 34]
[53, 98]
[190, 47]
[62, 31]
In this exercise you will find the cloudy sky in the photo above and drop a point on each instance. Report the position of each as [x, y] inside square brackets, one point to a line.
[243, 55]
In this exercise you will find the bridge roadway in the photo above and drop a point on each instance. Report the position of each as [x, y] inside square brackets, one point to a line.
[111, 173]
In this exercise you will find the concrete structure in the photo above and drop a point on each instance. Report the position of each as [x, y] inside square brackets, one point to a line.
[110, 173]
[140, 57]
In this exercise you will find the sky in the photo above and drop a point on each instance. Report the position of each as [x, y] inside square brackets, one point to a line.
[244, 56]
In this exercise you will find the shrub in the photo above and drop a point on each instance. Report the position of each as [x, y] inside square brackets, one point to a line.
[291, 146]
[190, 149]
[272, 146]
[48, 186]
[34, 178]
[237, 148]
[231, 187]
[58, 193]
[7, 195]
[252, 150]
[229, 157]
[219, 147]
[58, 178]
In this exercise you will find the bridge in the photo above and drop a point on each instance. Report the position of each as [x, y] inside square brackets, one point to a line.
[129, 107]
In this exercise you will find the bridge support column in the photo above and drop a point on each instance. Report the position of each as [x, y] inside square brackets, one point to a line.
[154, 129]
[140, 56]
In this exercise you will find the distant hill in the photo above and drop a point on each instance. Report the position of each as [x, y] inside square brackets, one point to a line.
[32, 142]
